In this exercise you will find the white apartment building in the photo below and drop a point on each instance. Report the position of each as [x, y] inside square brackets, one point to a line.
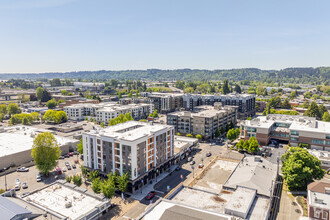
[103, 112]
[143, 149]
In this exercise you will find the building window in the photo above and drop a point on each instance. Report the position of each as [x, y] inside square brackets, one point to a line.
[294, 139]
[324, 215]
[327, 142]
[327, 136]
[317, 141]
[295, 133]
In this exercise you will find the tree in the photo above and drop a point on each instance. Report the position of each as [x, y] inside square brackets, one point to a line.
[64, 92]
[108, 188]
[130, 94]
[305, 104]
[286, 104]
[155, 114]
[93, 175]
[231, 135]
[307, 95]
[45, 152]
[68, 179]
[225, 87]
[253, 145]
[55, 82]
[240, 145]
[293, 94]
[45, 96]
[60, 117]
[326, 117]
[217, 133]
[35, 116]
[237, 89]
[189, 135]
[39, 93]
[102, 124]
[322, 109]
[96, 185]
[300, 168]
[13, 108]
[178, 134]
[261, 90]
[122, 182]
[189, 90]
[199, 136]
[246, 145]
[51, 104]
[3, 109]
[1, 117]
[80, 148]
[313, 111]
[49, 116]
[77, 180]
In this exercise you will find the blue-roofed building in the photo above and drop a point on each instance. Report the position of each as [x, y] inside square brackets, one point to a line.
[12, 211]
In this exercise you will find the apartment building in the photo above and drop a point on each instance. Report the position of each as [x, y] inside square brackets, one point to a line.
[244, 102]
[204, 120]
[103, 112]
[143, 149]
[165, 102]
[293, 129]
[318, 198]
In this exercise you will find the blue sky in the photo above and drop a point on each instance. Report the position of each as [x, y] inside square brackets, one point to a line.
[73, 35]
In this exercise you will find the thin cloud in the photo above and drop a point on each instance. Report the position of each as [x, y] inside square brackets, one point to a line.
[30, 4]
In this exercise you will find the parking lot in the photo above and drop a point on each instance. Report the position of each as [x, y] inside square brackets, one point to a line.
[31, 180]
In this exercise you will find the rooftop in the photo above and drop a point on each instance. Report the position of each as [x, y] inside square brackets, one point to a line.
[20, 138]
[202, 111]
[64, 201]
[131, 130]
[241, 200]
[9, 209]
[255, 174]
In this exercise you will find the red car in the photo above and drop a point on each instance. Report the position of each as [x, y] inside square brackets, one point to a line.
[70, 154]
[150, 195]
[59, 171]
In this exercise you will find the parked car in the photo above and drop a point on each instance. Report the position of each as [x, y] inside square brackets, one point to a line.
[75, 153]
[63, 169]
[59, 171]
[39, 178]
[17, 187]
[200, 165]
[190, 159]
[67, 164]
[23, 169]
[70, 154]
[24, 185]
[18, 181]
[208, 154]
[192, 162]
[212, 144]
[178, 168]
[69, 167]
[150, 195]
[61, 157]
[74, 166]
[66, 156]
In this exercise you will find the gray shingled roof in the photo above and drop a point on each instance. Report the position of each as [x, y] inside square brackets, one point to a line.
[9, 209]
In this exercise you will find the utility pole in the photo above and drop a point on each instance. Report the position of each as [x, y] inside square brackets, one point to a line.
[5, 179]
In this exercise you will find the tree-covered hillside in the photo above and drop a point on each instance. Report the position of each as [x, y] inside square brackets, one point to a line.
[318, 75]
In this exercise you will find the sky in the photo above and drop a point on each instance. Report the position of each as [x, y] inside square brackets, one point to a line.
[73, 35]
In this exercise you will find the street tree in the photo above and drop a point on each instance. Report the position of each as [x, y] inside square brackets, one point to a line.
[96, 185]
[300, 168]
[246, 145]
[13, 109]
[217, 133]
[326, 117]
[51, 104]
[225, 87]
[189, 135]
[77, 180]
[253, 145]
[122, 182]
[108, 188]
[39, 93]
[199, 136]
[80, 148]
[3, 109]
[313, 111]
[237, 89]
[45, 152]
[240, 145]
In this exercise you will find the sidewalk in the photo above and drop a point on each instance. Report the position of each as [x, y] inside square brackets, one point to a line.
[150, 187]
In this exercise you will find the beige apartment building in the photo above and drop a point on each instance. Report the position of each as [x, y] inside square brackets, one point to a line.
[143, 149]
[293, 129]
[204, 120]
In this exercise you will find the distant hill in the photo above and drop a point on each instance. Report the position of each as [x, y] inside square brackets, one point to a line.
[289, 75]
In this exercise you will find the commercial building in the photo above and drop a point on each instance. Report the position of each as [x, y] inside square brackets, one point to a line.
[59, 200]
[84, 86]
[323, 156]
[244, 102]
[165, 102]
[103, 112]
[143, 149]
[318, 197]
[204, 120]
[16, 144]
[293, 129]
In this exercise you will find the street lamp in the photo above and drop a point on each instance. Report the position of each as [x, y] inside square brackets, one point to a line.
[5, 179]
[156, 174]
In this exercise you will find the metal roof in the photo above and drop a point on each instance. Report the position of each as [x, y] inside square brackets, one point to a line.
[9, 209]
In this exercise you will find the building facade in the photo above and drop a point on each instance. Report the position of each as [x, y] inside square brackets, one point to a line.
[244, 102]
[165, 102]
[293, 129]
[318, 197]
[103, 112]
[204, 120]
[143, 149]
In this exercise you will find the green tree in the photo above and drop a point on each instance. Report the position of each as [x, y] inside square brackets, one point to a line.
[326, 117]
[102, 124]
[3, 109]
[39, 93]
[217, 133]
[305, 104]
[80, 148]
[35, 116]
[77, 180]
[313, 111]
[130, 94]
[225, 87]
[45, 96]
[237, 89]
[246, 145]
[96, 185]
[189, 135]
[240, 145]
[51, 104]
[189, 90]
[45, 152]
[122, 182]
[60, 117]
[322, 109]
[261, 90]
[286, 104]
[307, 95]
[68, 179]
[199, 136]
[178, 134]
[13, 109]
[108, 188]
[231, 134]
[300, 168]
[93, 174]
[1, 117]
[253, 145]
[293, 94]
[64, 92]
[155, 114]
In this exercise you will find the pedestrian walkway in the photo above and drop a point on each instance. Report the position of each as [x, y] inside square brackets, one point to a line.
[141, 193]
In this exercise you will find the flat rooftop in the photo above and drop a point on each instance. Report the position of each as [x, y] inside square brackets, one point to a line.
[131, 130]
[64, 201]
[202, 111]
[20, 138]
[241, 200]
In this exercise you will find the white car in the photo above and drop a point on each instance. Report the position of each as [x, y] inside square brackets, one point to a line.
[24, 185]
[38, 178]
[63, 169]
[18, 182]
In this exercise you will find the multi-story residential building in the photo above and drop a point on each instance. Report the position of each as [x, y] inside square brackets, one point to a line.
[204, 120]
[103, 112]
[245, 102]
[165, 102]
[318, 198]
[293, 129]
[143, 149]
